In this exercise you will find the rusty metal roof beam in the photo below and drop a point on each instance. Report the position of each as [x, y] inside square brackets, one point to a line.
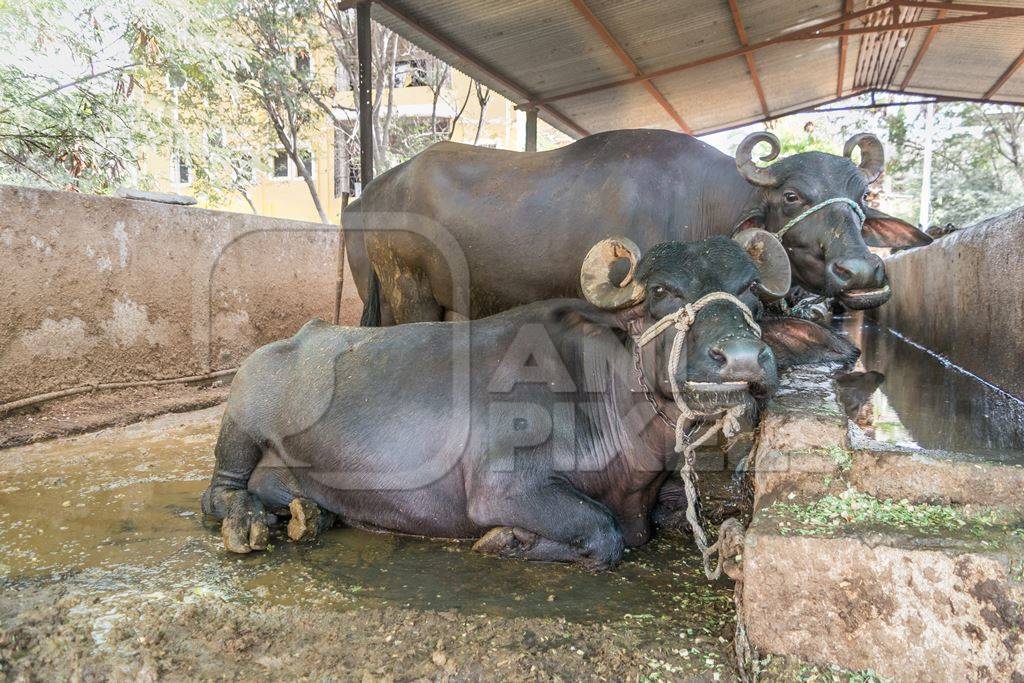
[920, 53]
[847, 6]
[751, 67]
[816, 32]
[1001, 81]
[491, 73]
[617, 48]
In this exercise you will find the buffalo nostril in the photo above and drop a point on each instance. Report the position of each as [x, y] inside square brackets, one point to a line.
[841, 273]
[765, 356]
[717, 355]
[743, 360]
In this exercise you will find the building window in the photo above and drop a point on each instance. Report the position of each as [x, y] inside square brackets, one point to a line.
[217, 138]
[281, 164]
[243, 169]
[410, 73]
[354, 184]
[307, 160]
[303, 62]
[180, 171]
[176, 81]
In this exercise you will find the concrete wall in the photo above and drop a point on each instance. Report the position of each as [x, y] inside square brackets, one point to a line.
[96, 289]
[961, 296]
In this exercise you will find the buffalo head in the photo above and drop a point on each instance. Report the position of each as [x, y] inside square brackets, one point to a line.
[726, 357]
[817, 201]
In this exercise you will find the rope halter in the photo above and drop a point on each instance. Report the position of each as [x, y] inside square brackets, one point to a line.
[727, 418]
[821, 205]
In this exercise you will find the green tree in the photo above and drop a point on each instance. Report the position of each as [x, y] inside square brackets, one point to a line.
[978, 163]
[72, 98]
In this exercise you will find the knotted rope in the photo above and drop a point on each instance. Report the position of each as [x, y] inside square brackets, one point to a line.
[821, 205]
[727, 422]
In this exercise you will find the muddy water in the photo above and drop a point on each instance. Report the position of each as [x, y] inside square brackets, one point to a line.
[927, 402]
[118, 511]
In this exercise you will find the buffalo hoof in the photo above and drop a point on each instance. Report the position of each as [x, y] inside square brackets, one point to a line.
[308, 520]
[505, 541]
[245, 526]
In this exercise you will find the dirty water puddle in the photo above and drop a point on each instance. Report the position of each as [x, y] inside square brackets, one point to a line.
[100, 530]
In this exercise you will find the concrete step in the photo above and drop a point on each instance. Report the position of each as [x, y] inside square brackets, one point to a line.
[907, 563]
[912, 592]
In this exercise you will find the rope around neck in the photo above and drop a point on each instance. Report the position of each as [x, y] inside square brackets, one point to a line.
[727, 422]
[821, 205]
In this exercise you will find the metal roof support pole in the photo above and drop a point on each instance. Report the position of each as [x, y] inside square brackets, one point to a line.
[531, 129]
[364, 50]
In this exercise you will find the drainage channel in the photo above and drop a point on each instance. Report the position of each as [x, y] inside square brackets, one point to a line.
[921, 400]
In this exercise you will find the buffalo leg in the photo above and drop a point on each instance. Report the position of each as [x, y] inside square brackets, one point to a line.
[554, 522]
[670, 510]
[410, 299]
[514, 542]
[244, 525]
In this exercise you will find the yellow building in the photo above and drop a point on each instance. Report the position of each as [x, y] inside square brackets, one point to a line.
[277, 189]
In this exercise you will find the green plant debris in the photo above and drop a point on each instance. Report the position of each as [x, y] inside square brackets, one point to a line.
[782, 668]
[843, 457]
[852, 507]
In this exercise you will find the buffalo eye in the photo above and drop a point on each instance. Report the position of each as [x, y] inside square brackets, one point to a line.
[790, 197]
[658, 291]
[865, 196]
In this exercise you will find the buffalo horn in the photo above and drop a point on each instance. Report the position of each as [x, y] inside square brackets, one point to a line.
[595, 279]
[771, 260]
[762, 177]
[872, 156]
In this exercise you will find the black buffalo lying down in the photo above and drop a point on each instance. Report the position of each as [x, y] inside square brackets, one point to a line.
[529, 424]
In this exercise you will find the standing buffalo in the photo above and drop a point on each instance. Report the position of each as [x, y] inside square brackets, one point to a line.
[528, 428]
[524, 220]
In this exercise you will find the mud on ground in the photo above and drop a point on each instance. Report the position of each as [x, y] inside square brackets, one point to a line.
[180, 635]
[106, 408]
[108, 572]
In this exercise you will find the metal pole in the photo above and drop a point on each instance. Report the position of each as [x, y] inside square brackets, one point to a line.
[339, 281]
[926, 168]
[363, 39]
[531, 129]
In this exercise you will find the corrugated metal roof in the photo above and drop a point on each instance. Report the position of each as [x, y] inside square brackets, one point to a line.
[533, 50]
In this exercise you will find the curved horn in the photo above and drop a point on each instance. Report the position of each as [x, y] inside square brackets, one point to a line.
[772, 261]
[872, 156]
[597, 286]
[762, 177]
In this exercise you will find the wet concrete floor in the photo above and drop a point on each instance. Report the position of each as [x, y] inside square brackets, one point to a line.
[116, 513]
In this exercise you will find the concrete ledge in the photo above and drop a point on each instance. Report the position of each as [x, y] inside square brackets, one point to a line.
[803, 438]
[924, 479]
[906, 563]
[884, 600]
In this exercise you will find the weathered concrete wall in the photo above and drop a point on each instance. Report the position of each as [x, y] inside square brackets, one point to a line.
[97, 289]
[961, 296]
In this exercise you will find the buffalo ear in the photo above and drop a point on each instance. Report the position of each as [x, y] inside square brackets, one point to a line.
[883, 230]
[796, 341]
[749, 222]
[856, 388]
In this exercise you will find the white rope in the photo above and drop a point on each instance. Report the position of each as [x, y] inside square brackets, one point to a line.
[727, 422]
[834, 200]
